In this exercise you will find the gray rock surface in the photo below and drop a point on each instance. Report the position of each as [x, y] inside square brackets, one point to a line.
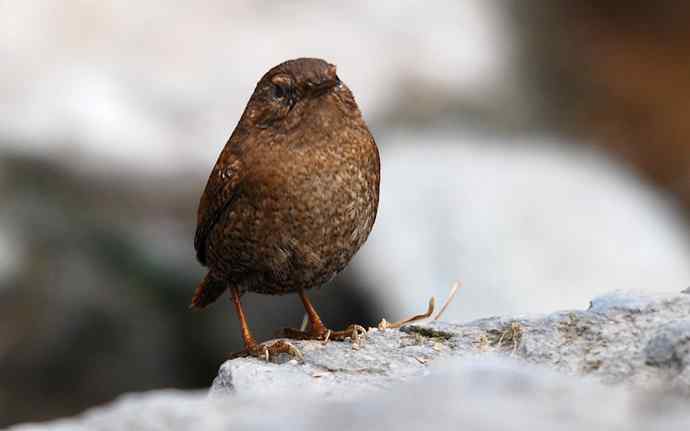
[621, 364]
[635, 339]
[384, 358]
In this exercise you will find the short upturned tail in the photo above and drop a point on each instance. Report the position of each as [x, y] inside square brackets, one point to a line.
[207, 292]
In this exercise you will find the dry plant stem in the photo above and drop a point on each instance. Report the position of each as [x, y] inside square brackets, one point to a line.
[517, 332]
[451, 295]
[401, 323]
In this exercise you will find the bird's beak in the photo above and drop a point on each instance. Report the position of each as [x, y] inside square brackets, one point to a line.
[331, 80]
[324, 86]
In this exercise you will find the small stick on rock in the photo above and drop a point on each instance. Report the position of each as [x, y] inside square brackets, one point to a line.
[430, 310]
[451, 295]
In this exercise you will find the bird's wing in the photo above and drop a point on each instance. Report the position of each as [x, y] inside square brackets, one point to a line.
[218, 195]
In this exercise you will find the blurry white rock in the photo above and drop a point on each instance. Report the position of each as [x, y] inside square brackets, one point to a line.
[527, 226]
[157, 87]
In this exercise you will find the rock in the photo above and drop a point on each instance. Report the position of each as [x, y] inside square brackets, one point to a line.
[620, 301]
[386, 357]
[496, 373]
[488, 394]
[637, 339]
[670, 346]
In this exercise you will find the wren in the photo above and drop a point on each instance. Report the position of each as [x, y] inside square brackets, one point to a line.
[291, 198]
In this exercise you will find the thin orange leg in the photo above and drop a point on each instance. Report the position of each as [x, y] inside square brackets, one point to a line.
[252, 348]
[319, 331]
[249, 340]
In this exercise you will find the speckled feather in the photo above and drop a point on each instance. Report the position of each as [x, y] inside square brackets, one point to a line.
[295, 191]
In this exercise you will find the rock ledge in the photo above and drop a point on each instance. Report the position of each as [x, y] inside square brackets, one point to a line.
[633, 351]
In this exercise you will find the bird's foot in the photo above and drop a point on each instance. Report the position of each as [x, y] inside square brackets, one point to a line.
[270, 350]
[354, 332]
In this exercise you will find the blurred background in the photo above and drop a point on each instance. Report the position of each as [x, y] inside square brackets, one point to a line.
[538, 151]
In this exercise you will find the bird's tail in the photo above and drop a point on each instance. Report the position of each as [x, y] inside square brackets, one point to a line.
[207, 292]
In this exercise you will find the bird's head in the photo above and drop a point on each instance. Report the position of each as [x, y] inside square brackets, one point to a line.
[296, 90]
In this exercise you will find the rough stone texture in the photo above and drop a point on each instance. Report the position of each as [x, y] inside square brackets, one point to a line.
[385, 358]
[495, 373]
[632, 338]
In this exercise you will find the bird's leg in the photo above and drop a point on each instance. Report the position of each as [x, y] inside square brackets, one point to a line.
[316, 327]
[249, 340]
[252, 348]
[317, 330]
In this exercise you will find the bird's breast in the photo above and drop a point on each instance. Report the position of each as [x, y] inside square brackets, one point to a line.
[321, 199]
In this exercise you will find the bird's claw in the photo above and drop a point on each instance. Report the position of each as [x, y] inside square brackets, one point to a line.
[270, 351]
[354, 332]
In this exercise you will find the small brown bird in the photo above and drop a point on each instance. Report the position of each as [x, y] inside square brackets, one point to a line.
[292, 197]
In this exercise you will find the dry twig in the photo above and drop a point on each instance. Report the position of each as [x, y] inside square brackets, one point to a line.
[430, 310]
[451, 295]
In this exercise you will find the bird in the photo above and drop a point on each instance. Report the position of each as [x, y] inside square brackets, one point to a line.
[291, 198]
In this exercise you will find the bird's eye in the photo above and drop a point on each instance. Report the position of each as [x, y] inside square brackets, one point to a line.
[279, 91]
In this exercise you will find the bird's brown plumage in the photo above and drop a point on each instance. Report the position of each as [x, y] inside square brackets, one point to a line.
[294, 193]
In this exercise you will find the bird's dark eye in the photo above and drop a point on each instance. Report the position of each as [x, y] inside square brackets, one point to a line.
[279, 91]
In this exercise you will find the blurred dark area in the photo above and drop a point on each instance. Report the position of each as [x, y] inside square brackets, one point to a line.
[98, 303]
[110, 130]
[619, 73]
